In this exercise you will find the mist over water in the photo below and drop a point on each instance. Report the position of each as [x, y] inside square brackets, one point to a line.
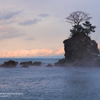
[50, 83]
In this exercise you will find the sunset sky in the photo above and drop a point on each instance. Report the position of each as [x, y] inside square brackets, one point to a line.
[30, 28]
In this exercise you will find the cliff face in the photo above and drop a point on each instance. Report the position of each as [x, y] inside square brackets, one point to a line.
[80, 50]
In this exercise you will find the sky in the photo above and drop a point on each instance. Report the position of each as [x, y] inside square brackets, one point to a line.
[31, 28]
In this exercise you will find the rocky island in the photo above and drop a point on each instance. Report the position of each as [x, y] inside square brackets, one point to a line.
[9, 64]
[80, 49]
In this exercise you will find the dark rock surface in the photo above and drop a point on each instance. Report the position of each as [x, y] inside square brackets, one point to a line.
[29, 63]
[80, 51]
[49, 65]
[61, 62]
[26, 63]
[36, 63]
[10, 63]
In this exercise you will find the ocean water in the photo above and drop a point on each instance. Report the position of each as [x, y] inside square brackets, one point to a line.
[48, 83]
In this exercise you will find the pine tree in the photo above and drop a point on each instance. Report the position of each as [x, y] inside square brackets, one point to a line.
[88, 28]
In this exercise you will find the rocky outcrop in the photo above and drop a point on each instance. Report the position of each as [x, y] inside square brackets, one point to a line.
[26, 63]
[36, 63]
[29, 63]
[49, 65]
[80, 51]
[61, 62]
[10, 63]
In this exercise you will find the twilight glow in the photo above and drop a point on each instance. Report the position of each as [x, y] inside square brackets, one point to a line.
[30, 28]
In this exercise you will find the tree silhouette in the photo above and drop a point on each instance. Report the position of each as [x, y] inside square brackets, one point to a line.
[75, 19]
[88, 28]
[76, 30]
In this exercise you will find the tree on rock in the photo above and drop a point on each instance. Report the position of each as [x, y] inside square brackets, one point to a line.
[88, 28]
[75, 19]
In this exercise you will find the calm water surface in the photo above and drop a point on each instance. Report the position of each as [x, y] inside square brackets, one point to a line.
[49, 83]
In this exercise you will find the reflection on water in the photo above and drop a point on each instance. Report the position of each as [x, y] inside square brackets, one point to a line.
[54, 83]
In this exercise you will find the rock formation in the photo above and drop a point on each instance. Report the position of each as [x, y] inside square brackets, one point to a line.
[36, 63]
[26, 63]
[80, 51]
[49, 65]
[29, 63]
[10, 63]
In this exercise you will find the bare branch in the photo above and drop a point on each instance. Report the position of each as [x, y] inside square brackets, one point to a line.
[77, 17]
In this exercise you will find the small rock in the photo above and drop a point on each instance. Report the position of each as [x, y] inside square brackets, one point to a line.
[26, 63]
[36, 63]
[10, 63]
[49, 65]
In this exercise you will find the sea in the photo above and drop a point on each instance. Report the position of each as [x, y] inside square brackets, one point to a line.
[48, 83]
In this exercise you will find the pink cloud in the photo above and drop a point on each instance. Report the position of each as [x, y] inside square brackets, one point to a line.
[26, 53]
[31, 53]
[60, 51]
[99, 46]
